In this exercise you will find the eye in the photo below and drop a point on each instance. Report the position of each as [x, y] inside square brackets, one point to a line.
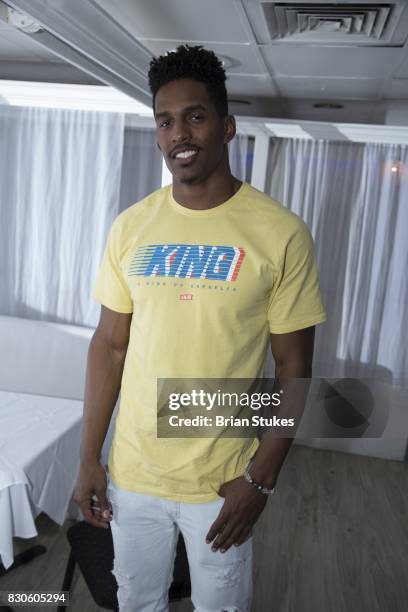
[196, 117]
[163, 123]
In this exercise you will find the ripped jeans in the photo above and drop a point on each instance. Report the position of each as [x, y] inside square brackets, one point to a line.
[145, 530]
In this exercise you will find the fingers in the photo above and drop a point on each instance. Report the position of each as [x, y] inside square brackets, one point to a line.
[90, 495]
[93, 515]
[101, 499]
[99, 510]
[216, 527]
[227, 537]
[245, 535]
[105, 514]
[95, 512]
[225, 532]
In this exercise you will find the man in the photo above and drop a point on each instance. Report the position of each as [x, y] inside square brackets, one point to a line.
[195, 280]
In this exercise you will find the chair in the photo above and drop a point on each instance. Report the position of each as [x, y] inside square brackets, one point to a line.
[92, 549]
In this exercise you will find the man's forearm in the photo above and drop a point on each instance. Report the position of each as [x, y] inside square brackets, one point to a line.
[273, 448]
[103, 380]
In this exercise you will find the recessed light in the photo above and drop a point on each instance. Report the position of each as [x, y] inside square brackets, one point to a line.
[226, 62]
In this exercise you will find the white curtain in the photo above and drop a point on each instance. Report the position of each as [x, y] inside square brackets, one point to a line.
[64, 176]
[59, 178]
[356, 208]
[238, 153]
[141, 166]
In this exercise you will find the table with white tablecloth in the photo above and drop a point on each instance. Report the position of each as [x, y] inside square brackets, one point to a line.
[39, 460]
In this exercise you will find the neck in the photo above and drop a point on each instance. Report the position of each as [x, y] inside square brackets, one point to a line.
[209, 193]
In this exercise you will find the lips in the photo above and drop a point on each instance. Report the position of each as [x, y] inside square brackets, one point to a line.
[186, 154]
[183, 152]
[186, 158]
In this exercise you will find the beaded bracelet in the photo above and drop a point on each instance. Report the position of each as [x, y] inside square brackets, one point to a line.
[255, 484]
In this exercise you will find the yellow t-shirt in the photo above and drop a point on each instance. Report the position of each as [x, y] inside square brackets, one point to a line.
[206, 288]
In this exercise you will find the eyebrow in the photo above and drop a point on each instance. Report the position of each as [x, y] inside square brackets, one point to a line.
[187, 109]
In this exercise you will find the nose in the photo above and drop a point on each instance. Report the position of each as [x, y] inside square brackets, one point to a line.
[181, 131]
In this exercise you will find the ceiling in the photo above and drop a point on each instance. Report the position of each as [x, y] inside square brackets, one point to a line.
[282, 58]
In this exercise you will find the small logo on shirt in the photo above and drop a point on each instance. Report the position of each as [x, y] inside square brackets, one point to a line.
[188, 261]
[186, 296]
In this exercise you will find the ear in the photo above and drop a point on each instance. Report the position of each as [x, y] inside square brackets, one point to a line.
[230, 128]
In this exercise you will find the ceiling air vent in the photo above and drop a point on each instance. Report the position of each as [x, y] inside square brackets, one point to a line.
[334, 23]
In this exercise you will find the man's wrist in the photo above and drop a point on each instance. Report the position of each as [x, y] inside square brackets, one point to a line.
[268, 460]
[256, 485]
[89, 459]
[262, 476]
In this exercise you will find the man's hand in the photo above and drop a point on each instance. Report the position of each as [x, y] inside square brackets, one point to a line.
[90, 495]
[242, 507]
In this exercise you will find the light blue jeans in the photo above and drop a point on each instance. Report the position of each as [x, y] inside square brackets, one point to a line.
[145, 530]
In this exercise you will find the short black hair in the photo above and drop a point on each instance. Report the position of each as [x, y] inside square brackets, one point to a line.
[196, 63]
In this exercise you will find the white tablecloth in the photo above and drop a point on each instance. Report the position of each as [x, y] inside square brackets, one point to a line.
[39, 459]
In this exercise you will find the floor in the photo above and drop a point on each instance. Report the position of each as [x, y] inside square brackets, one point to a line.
[333, 538]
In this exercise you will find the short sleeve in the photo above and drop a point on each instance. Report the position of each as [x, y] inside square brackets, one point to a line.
[111, 288]
[296, 301]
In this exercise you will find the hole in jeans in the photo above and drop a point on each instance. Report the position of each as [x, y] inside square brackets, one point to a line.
[230, 575]
[123, 581]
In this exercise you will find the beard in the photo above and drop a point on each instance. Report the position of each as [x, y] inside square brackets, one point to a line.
[188, 180]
